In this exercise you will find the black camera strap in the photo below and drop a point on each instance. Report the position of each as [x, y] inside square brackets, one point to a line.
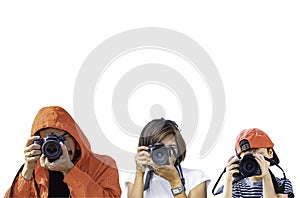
[216, 184]
[179, 170]
[278, 188]
[148, 178]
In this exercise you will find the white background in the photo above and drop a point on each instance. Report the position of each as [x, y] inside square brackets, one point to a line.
[254, 45]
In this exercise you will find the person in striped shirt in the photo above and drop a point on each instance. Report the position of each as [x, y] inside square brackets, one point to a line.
[248, 173]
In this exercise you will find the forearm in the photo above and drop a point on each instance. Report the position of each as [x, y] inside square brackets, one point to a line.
[268, 189]
[227, 191]
[27, 173]
[137, 190]
[177, 183]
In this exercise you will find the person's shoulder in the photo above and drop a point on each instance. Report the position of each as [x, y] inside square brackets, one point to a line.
[193, 171]
[106, 159]
[195, 177]
[286, 183]
[282, 180]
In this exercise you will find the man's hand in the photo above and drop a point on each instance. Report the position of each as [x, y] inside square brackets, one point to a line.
[32, 153]
[263, 164]
[63, 164]
[231, 168]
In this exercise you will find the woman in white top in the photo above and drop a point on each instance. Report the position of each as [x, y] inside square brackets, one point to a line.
[158, 172]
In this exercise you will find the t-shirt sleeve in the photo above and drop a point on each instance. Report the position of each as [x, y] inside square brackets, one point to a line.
[288, 188]
[130, 179]
[195, 177]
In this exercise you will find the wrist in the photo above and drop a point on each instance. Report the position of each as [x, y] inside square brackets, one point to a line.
[139, 174]
[266, 174]
[140, 168]
[66, 171]
[178, 190]
[27, 173]
[175, 183]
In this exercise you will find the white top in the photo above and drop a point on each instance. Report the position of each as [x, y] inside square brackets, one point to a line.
[160, 188]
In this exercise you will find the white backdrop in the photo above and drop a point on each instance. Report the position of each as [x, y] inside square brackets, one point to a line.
[254, 45]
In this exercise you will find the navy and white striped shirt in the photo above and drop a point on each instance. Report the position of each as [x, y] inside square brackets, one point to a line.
[245, 188]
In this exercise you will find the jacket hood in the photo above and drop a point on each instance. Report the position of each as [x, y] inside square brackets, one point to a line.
[58, 118]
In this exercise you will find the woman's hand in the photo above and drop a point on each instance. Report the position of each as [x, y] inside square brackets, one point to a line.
[168, 172]
[142, 159]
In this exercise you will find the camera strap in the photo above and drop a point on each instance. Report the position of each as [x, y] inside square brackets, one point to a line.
[220, 190]
[278, 188]
[148, 178]
[180, 173]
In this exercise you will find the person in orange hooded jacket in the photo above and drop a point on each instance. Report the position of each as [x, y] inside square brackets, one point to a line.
[66, 167]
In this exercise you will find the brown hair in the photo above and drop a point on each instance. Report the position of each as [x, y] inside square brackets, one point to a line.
[158, 129]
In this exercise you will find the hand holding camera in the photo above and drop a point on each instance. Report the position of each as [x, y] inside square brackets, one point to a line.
[159, 153]
[54, 153]
[162, 161]
[142, 159]
[32, 153]
[155, 157]
[251, 165]
[63, 164]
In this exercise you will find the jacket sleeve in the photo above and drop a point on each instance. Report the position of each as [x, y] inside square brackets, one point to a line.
[103, 181]
[21, 188]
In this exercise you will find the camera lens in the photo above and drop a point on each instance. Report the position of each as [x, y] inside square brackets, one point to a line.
[249, 166]
[160, 156]
[51, 150]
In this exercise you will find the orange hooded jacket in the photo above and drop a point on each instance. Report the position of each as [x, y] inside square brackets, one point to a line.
[93, 175]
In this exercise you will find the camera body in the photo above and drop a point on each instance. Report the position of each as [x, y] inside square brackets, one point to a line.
[50, 146]
[248, 167]
[159, 153]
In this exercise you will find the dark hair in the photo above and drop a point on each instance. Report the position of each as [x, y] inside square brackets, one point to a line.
[158, 129]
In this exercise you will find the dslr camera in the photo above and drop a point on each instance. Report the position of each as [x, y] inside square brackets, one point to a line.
[248, 167]
[159, 153]
[50, 146]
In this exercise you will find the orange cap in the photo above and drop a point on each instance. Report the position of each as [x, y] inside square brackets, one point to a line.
[253, 138]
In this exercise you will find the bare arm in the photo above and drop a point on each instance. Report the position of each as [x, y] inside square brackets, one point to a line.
[268, 188]
[198, 191]
[136, 189]
[142, 159]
